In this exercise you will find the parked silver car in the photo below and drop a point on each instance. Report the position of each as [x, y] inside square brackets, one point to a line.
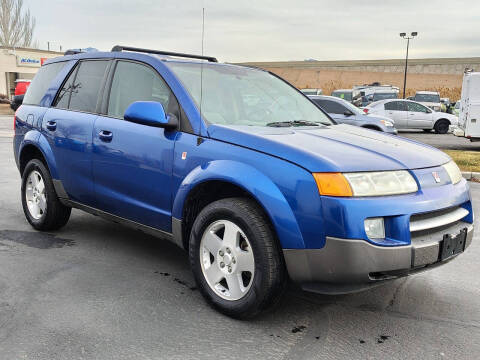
[409, 114]
[345, 113]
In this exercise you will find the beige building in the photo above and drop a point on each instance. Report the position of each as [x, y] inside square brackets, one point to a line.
[20, 63]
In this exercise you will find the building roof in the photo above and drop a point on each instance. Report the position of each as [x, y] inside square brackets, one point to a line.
[31, 50]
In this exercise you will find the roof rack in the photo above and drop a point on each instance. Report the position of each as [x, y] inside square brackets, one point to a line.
[80, 51]
[73, 51]
[168, 53]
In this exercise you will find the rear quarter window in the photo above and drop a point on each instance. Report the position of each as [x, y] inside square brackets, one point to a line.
[41, 83]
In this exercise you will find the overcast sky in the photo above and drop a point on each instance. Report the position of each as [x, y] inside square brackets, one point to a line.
[246, 30]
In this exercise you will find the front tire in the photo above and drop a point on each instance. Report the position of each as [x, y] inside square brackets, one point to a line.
[40, 203]
[235, 258]
[441, 126]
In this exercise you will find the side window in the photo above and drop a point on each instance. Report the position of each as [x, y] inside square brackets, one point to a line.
[332, 107]
[414, 107]
[136, 82]
[85, 87]
[396, 106]
[41, 82]
[392, 106]
[63, 97]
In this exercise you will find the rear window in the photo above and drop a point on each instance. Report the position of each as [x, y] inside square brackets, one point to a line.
[427, 98]
[384, 96]
[41, 82]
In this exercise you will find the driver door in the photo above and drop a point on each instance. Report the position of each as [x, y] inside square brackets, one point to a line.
[419, 116]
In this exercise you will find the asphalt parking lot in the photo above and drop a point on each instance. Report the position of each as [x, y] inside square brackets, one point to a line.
[441, 141]
[95, 290]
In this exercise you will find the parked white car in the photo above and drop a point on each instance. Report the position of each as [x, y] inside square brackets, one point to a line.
[409, 114]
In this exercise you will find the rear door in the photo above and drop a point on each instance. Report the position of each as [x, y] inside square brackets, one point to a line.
[397, 111]
[132, 163]
[419, 116]
[68, 126]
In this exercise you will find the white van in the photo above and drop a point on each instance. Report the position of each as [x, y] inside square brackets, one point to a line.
[469, 117]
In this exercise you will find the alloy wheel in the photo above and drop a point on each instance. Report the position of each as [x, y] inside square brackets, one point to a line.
[35, 195]
[227, 260]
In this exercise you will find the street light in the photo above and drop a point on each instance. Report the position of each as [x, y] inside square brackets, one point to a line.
[404, 36]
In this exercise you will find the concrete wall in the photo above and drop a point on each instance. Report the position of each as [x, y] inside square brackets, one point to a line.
[443, 75]
[452, 66]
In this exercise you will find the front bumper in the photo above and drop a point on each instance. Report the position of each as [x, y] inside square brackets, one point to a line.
[346, 265]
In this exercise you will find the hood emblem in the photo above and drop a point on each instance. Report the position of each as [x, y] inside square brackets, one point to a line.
[436, 176]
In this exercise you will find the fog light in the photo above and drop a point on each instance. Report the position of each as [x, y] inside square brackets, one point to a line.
[375, 228]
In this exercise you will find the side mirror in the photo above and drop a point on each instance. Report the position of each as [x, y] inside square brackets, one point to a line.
[348, 113]
[150, 113]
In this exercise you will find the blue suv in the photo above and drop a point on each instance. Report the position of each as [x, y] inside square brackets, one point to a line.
[238, 168]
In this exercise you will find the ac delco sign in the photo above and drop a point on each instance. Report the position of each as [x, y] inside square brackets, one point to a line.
[30, 61]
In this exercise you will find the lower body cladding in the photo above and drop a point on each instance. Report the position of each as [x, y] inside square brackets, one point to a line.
[348, 265]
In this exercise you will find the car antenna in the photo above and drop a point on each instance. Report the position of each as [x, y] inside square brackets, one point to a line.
[201, 64]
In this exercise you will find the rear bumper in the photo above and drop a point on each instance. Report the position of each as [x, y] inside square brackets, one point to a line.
[346, 265]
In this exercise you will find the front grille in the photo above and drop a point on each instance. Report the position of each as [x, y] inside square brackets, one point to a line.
[436, 219]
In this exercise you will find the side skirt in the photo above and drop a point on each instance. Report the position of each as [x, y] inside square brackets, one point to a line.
[176, 237]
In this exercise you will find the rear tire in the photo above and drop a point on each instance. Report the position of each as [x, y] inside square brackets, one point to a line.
[441, 126]
[41, 206]
[250, 257]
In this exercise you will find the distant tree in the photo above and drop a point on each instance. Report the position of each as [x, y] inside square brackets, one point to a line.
[16, 25]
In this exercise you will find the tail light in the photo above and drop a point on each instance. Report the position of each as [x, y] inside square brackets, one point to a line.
[365, 110]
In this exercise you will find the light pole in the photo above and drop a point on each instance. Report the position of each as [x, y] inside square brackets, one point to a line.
[404, 36]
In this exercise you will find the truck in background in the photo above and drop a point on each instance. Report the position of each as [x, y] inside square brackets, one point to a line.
[469, 116]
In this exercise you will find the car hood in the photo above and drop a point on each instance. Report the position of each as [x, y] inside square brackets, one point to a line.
[336, 148]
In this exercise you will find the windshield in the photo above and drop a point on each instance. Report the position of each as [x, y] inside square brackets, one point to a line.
[427, 98]
[384, 96]
[343, 95]
[233, 95]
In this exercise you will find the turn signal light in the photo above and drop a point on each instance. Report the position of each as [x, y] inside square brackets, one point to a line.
[332, 184]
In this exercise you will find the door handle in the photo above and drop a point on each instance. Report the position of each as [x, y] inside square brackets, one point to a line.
[51, 125]
[105, 135]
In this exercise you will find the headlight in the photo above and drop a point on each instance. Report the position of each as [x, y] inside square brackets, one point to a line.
[366, 183]
[386, 122]
[453, 171]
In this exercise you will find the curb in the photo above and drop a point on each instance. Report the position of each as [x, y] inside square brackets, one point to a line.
[471, 175]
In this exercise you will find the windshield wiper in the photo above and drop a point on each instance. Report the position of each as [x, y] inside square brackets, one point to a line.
[292, 123]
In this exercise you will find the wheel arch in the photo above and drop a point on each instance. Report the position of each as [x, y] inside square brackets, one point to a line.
[36, 147]
[372, 127]
[225, 178]
[447, 120]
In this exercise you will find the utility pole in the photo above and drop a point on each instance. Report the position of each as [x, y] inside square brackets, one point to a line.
[404, 36]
